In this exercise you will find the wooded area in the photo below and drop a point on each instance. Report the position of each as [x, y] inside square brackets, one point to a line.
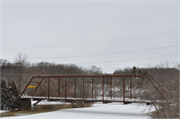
[167, 75]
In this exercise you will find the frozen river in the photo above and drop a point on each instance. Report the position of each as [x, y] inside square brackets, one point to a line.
[97, 111]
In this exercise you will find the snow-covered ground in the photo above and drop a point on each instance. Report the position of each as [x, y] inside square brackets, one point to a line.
[45, 102]
[1, 111]
[97, 111]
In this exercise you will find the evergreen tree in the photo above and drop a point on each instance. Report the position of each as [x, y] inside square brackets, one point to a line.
[9, 95]
[3, 84]
[4, 95]
[14, 97]
[144, 73]
[133, 72]
[139, 72]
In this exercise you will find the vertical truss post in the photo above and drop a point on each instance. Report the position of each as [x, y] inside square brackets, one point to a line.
[83, 89]
[75, 87]
[92, 87]
[48, 89]
[111, 87]
[123, 89]
[58, 87]
[103, 89]
[95, 92]
[130, 87]
[65, 88]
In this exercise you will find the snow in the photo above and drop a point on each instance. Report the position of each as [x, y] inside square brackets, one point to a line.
[1, 111]
[45, 102]
[97, 111]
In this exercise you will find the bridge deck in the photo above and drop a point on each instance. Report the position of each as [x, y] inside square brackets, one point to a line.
[68, 99]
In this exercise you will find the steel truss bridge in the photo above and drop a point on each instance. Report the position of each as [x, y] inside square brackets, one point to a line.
[102, 88]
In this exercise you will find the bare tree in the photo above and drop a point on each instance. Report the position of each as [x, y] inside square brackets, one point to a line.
[20, 62]
[167, 102]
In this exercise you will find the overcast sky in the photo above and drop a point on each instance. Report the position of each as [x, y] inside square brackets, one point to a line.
[110, 35]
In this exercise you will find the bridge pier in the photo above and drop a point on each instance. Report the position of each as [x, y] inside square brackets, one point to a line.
[76, 104]
[25, 104]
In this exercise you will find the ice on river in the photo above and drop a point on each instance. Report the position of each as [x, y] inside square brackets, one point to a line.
[97, 111]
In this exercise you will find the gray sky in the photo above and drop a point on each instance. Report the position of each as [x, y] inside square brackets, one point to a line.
[110, 35]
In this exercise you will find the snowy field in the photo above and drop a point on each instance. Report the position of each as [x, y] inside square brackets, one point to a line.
[97, 111]
[1, 111]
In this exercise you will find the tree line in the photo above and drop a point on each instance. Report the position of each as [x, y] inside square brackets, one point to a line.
[166, 74]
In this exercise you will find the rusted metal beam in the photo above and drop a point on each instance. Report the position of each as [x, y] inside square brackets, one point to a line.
[95, 91]
[92, 87]
[124, 90]
[48, 89]
[83, 89]
[157, 83]
[27, 85]
[36, 103]
[130, 87]
[154, 86]
[107, 102]
[37, 86]
[90, 76]
[111, 87]
[103, 89]
[65, 88]
[58, 87]
[68, 100]
[75, 88]
[86, 101]
[127, 102]
[89, 100]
